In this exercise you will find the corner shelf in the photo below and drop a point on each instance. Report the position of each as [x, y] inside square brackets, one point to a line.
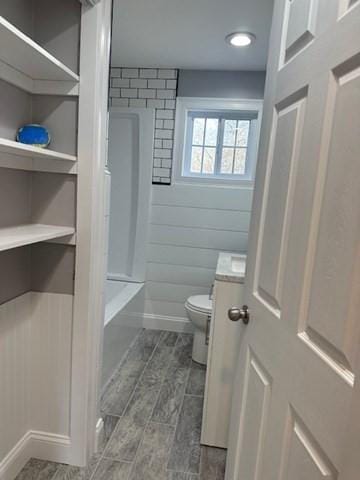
[21, 235]
[27, 65]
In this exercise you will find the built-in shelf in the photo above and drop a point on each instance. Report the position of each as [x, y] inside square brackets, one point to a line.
[21, 235]
[21, 149]
[19, 156]
[27, 65]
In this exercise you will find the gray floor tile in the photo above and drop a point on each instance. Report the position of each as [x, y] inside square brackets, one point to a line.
[129, 431]
[38, 470]
[112, 470]
[185, 452]
[153, 454]
[213, 462]
[169, 339]
[196, 383]
[168, 406]
[119, 391]
[150, 384]
[110, 423]
[182, 476]
[67, 472]
[158, 365]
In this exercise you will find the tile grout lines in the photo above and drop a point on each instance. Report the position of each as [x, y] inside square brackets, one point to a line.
[155, 403]
[103, 456]
[178, 419]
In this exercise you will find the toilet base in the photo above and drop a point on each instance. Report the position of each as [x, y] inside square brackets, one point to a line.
[200, 349]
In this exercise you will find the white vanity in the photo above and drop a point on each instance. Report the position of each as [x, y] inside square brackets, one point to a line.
[224, 342]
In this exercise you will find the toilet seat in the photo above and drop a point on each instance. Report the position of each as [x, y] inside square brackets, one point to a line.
[200, 303]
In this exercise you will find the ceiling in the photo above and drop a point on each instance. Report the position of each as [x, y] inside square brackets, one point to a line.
[190, 34]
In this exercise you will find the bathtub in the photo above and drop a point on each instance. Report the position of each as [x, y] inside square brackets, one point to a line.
[122, 323]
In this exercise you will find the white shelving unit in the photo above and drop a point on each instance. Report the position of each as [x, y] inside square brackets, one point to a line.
[21, 235]
[27, 65]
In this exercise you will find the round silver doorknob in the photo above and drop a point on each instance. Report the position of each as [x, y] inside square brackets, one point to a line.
[235, 314]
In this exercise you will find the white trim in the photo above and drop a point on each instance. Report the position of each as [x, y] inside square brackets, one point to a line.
[99, 432]
[170, 324]
[186, 104]
[35, 444]
[90, 255]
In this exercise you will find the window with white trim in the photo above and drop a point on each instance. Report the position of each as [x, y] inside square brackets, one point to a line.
[217, 140]
[218, 145]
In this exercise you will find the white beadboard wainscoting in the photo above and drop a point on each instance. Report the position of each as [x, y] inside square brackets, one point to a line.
[35, 363]
[189, 226]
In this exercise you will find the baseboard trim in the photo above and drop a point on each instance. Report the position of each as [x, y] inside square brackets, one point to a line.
[35, 444]
[172, 324]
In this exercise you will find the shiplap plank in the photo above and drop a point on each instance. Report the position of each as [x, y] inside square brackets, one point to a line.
[212, 197]
[167, 309]
[179, 274]
[191, 256]
[230, 220]
[192, 237]
[172, 293]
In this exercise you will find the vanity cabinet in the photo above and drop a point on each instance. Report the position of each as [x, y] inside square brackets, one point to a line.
[224, 345]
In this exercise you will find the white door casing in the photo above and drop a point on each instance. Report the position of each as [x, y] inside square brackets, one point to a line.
[296, 408]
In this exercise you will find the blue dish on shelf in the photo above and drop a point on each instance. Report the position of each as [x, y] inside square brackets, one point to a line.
[35, 135]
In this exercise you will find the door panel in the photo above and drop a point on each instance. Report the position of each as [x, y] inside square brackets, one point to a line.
[332, 320]
[297, 397]
[300, 25]
[254, 412]
[303, 458]
[287, 132]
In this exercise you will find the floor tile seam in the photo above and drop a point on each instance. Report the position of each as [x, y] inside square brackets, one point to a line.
[106, 458]
[120, 365]
[137, 383]
[177, 422]
[148, 361]
[155, 403]
[130, 398]
[163, 380]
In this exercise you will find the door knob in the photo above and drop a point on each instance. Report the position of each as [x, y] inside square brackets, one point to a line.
[235, 314]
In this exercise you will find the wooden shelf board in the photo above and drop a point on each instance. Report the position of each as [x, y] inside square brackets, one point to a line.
[21, 235]
[23, 150]
[25, 57]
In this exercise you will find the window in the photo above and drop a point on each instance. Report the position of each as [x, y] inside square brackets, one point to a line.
[221, 144]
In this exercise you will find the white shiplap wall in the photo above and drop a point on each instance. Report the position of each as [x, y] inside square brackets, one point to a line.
[189, 225]
[35, 363]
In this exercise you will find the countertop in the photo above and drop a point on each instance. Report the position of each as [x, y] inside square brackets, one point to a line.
[231, 267]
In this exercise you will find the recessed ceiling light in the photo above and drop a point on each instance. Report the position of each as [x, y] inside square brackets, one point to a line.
[240, 39]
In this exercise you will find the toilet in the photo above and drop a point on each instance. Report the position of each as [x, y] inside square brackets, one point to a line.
[198, 309]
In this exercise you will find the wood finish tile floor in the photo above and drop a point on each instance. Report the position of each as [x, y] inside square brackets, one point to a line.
[152, 410]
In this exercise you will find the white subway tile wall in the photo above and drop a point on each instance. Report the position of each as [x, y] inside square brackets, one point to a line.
[150, 88]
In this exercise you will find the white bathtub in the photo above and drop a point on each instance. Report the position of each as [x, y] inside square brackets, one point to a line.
[123, 322]
[117, 296]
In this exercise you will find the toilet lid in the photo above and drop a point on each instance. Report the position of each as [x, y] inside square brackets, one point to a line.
[201, 303]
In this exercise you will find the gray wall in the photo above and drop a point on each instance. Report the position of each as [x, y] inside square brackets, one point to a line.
[221, 84]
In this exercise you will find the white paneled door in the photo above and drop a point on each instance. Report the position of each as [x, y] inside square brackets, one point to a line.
[296, 408]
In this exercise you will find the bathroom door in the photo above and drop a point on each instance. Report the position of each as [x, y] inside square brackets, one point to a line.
[296, 407]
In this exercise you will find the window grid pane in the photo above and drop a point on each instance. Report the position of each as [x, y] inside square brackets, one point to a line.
[242, 133]
[219, 146]
[240, 161]
[227, 160]
[198, 131]
[196, 159]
